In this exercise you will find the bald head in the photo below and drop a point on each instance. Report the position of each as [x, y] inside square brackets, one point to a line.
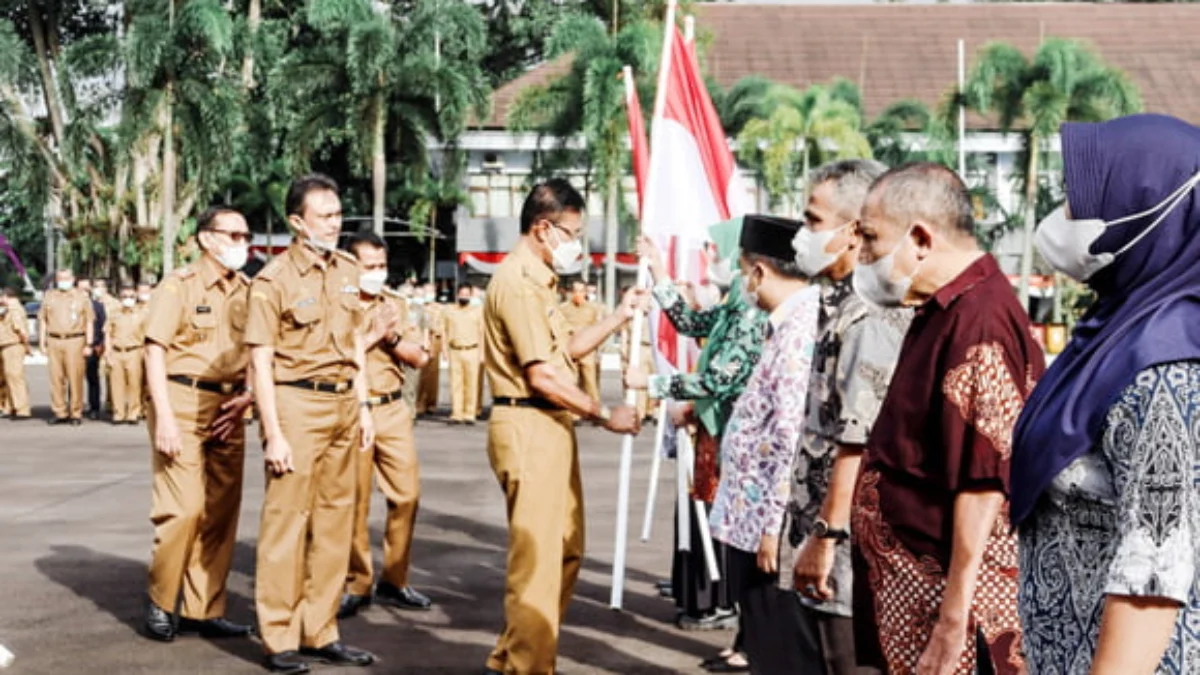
[927, 193]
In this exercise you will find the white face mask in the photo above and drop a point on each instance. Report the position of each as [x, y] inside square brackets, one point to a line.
[720, 273]
[748, 296]
[372, 282]
[1067, 244]
[143, 298]
[874, 282]
[98, 293]
[3, 310]
[591, 297]
[811, 256]
[128, 302]
[234, 257]
[65, 285]
[565, 257]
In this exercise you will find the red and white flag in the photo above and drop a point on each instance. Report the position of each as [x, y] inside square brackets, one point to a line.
[639, 148]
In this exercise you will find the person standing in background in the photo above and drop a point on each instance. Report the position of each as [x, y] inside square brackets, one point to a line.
[580, 314]
[144, 291]
[66, 325]
[428, 391]
[92, 360]
[111, 306]
[462, 327]
[125, 333]
[14, 345]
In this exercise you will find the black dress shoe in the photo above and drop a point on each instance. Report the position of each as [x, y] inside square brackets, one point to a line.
[491, 671]
[215, 629]
[727, 667]
[59, 421]
[404, 598]
[159, 625]
[352, 604]
[288, 663]
[75, 421]
[338, 654]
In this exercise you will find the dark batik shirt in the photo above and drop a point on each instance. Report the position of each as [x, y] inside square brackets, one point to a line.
[967, 364]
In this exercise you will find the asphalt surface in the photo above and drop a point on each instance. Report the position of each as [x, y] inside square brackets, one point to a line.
[75, 537]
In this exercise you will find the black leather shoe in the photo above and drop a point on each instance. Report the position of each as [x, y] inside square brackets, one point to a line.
[75, 421]
[338, 654]
[215, 629]
[159, 625]
[489, 671]
[288, 663]
[59, 421]
[404, 598]
[352, 605]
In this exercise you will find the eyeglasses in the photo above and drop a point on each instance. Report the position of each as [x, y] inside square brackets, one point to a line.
[577, 236]
[236, 236]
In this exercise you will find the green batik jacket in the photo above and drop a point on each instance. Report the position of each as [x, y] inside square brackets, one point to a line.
[734, 333]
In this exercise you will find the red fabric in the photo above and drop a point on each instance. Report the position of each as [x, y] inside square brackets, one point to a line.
[637, 140]
[706, 468]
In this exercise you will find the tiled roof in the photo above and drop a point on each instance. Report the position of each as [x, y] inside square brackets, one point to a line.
[896, 51]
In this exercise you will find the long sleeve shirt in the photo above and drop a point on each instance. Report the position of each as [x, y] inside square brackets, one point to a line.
[766, 428]
[734, 335]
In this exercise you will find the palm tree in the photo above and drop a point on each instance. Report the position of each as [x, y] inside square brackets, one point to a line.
[588, 102]
[1065, 81]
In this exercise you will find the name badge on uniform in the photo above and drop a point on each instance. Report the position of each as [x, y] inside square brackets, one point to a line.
[203, 309]
[301, 304]
[350, 289]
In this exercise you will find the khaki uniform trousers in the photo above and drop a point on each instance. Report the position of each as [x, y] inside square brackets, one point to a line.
[589, 380]
[536, 460]
[196, 503]
[66, 376]
[125, 382]
[12, 376]
[412, 381]
[307, 521]
[393, 461]
[464, 384]
[431, 375]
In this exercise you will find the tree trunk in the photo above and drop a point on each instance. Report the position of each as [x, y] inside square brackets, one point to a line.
[1031, 191]
[611, 236]
[168, 185]
[378, 165]
[49, 88]
[253, 18]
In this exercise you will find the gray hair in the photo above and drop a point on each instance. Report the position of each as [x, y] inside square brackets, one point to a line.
[851, 179]
[927, 192]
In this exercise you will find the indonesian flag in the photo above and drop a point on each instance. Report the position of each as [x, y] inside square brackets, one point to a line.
[693, 180]
[639, 148]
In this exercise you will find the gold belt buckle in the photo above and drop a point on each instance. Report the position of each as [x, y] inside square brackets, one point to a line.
[227, 387]
[375, 400]
[341, 387]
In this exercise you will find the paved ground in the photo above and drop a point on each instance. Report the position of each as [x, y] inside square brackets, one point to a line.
[74, 539]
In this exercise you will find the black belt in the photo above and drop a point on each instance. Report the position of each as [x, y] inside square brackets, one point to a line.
[460, 348]
[533, 402]
[208, 385]
[126, 349]
[385, 399]
[65, 336]
[323, 387]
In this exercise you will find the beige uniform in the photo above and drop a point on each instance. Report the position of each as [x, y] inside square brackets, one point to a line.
[534, 455]
[463, 330]
[306, 307]
[65, 319]
[415, 330]
[582, 316]
[427, 390]
[112, 306]
[393, 460]
[646, 406]
[197, 314]
[124, 333]
[14, 339]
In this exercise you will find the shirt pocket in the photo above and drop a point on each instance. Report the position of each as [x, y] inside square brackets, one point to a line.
[200, 327]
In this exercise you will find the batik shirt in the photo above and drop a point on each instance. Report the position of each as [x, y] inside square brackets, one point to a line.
[765, 430]
[857, 347]
[734, 334]
[1122, 520]
[965, 369]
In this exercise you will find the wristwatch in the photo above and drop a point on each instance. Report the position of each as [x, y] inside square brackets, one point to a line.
[821, 530]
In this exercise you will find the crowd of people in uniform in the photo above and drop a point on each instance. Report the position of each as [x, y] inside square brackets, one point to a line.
[892, 479]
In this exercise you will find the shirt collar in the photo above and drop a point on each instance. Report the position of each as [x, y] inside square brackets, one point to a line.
[784, 311]
[304, 258]
[211, 271]
[977, 272]
[534, 267]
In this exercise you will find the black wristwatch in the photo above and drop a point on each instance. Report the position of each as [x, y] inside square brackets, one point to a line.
[821, 530]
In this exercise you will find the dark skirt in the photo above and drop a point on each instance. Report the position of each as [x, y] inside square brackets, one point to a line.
[695, 593]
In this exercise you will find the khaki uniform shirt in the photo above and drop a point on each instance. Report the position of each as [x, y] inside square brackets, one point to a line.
[13, 329]
[434, 320]
[578, 317]
[126, 328]
[198, 314]
[111, 305]
[385, 373]
[65, 313]
[522, 324]
[463, 327]
[307, 307]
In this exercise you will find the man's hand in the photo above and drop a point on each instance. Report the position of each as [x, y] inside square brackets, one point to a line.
[624, 419]
[636, 378]
[87, 351]
[688, 290]
[108, 360]
[167, 440]
[383, 324]
[278, 454]
[367, 430]
[682, 414]
[231, 415]
[768, 554]
[814, 564]
[945, 648]
[635, 300]
[653, 257]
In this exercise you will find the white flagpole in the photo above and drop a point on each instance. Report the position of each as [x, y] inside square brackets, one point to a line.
[655, 471]
[962, 110]
[635, 341]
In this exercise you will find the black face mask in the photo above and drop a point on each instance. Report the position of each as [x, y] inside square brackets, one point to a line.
[464, 301]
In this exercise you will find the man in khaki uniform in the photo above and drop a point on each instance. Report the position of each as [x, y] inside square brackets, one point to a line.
[66, 332]
[530, 364]
[580, 314]
[112, 305]
[124, 333]
[14, 345]
[196, 369]
[463, 331]
[428, 389]
[394, 456]
[307, 349]
[647, 407]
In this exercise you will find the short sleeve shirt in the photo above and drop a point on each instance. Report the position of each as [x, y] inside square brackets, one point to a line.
[66, 312]
[463, 327]
[306, 306]
[198, 314]
[127, 328]
[522, 324]
[12, 323]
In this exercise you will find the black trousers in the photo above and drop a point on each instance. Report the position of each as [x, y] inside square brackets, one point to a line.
[92, 373]
[695, 593]
[776, 642]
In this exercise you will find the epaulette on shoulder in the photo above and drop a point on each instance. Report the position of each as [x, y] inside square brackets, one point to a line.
[184, 272]
[392, 293]
[269, 271]
[245, 279]
[345, 255]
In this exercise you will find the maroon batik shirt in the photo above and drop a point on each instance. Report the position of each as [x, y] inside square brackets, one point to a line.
[968, 363]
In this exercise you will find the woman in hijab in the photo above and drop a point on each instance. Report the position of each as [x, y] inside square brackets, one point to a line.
[1106, 456]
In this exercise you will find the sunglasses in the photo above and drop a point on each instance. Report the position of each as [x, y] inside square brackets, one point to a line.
[236, 236]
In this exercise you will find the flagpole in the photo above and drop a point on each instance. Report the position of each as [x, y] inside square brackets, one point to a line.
[962, 110]
[616, 596]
